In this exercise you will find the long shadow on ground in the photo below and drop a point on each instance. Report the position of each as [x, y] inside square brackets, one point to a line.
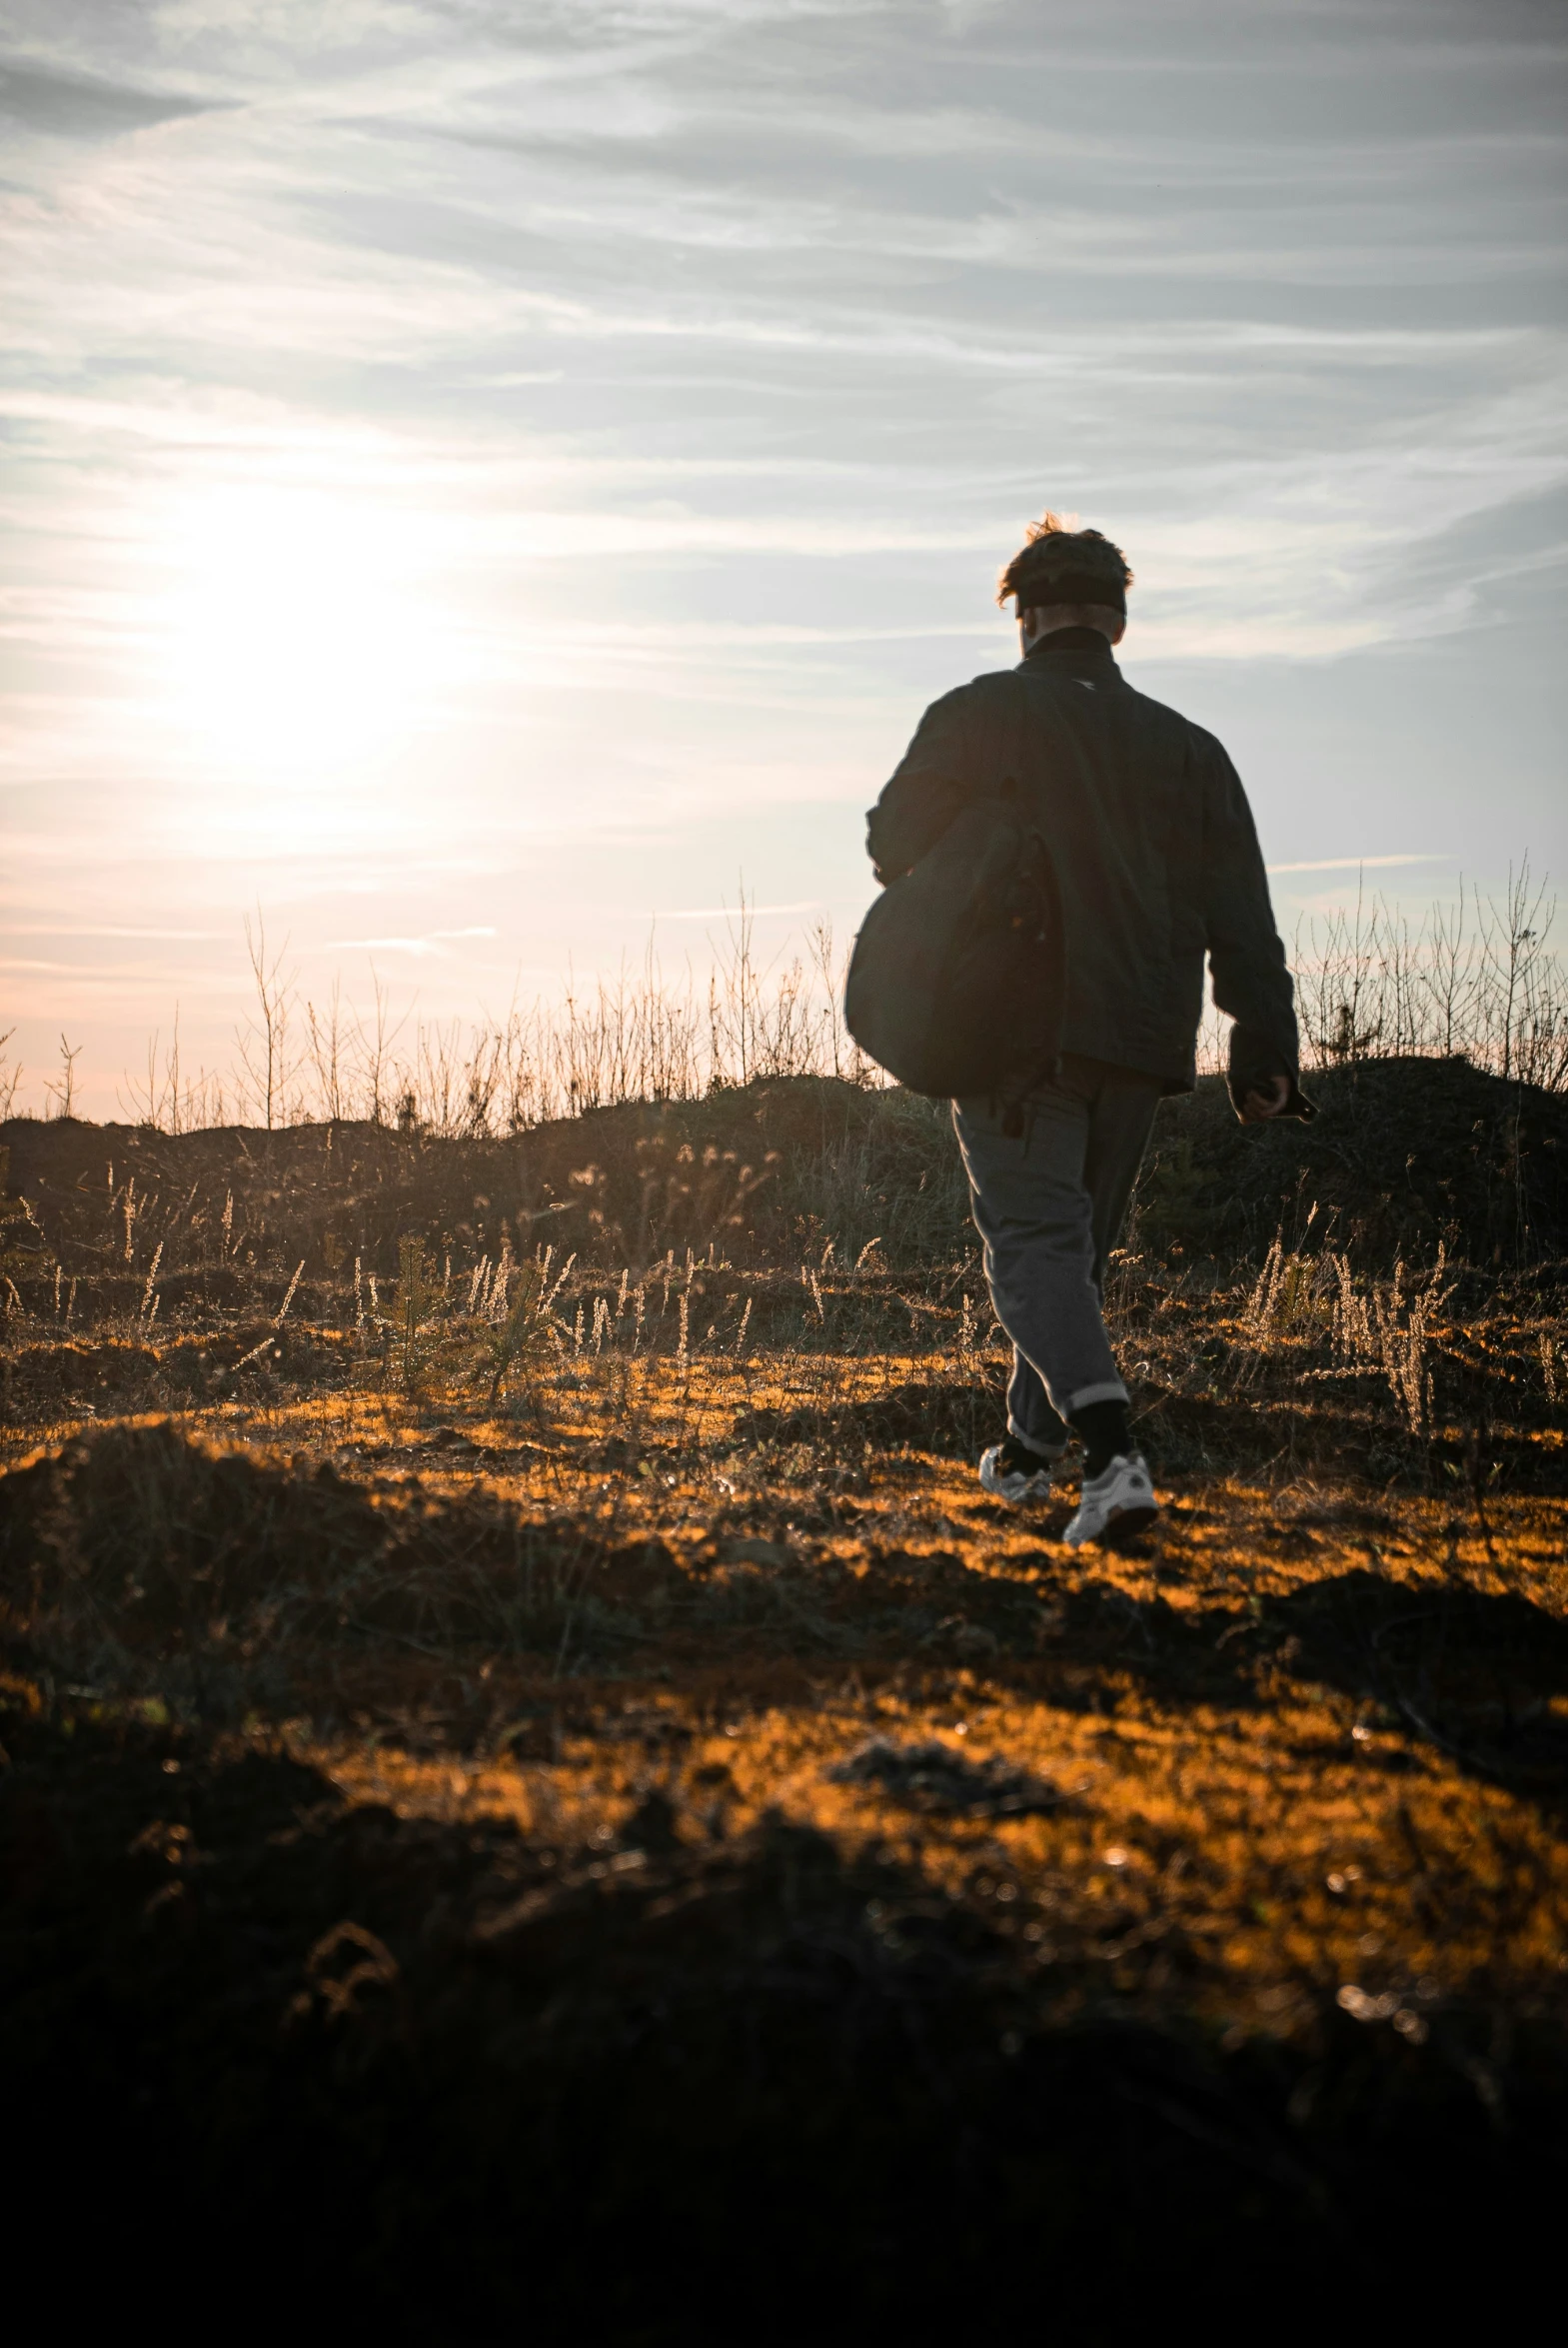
[1182, 1434]
[1468, 1672]
[218, 1572]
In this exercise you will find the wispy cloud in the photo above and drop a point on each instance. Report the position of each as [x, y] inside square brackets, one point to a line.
[732, 913]
[105, 930]
[79, 104]
[434, 942]
[1351, 864]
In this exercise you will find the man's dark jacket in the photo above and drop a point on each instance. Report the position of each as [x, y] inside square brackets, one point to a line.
[1153, 844]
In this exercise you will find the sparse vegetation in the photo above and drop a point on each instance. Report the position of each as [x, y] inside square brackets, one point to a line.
[515, 1704]
[1477, 979]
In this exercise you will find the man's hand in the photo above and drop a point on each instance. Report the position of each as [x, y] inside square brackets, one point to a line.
[1261, 1102]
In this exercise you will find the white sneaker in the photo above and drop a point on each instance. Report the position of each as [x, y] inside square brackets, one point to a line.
[1118, 1502]
[1011, 1471]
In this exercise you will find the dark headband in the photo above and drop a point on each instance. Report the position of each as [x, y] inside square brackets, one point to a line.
[1070, 587]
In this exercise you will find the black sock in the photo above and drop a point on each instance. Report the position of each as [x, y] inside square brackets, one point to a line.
[1103, 1431]
[1022, 1459]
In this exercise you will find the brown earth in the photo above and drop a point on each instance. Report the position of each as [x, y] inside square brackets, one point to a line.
[623, 1833]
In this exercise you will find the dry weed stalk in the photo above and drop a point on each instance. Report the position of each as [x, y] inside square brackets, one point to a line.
[1288, 1290]
[11, 1073]
[1553, 1357]
[1382, 1328]
[1477, 977]
[1371, 1326]
[408, 1329]
[62, 1090]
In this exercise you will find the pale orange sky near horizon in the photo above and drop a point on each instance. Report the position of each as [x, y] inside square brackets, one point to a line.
[480, 481]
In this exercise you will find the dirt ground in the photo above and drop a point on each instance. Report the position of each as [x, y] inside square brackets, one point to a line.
[630, 1834]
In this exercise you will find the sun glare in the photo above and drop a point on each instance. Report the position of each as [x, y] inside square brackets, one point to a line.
[293, 632]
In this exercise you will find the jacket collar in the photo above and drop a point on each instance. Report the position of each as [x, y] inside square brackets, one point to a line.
[1073, 652]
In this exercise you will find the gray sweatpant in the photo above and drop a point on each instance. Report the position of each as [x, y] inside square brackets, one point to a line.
[1048, 1206]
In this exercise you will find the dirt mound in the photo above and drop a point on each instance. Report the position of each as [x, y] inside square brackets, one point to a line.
[1402, 1154]
[758, 1174]
[140, 1540]
[47, 1373]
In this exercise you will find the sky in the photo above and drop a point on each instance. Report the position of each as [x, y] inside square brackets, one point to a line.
[480, 478]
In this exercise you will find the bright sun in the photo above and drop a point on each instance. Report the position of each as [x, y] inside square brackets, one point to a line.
[291, 631]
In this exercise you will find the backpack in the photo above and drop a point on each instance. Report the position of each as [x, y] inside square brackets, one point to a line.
[957, 983]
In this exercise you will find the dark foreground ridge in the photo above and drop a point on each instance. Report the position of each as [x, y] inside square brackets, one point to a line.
[453, 2079]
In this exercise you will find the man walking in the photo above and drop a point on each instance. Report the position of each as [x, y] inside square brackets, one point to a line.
[1158, 863]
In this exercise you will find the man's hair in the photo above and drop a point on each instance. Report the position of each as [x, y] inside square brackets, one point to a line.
[1063, 566]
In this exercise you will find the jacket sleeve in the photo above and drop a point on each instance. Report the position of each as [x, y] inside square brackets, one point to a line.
[1246, 958]
[925, 791]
